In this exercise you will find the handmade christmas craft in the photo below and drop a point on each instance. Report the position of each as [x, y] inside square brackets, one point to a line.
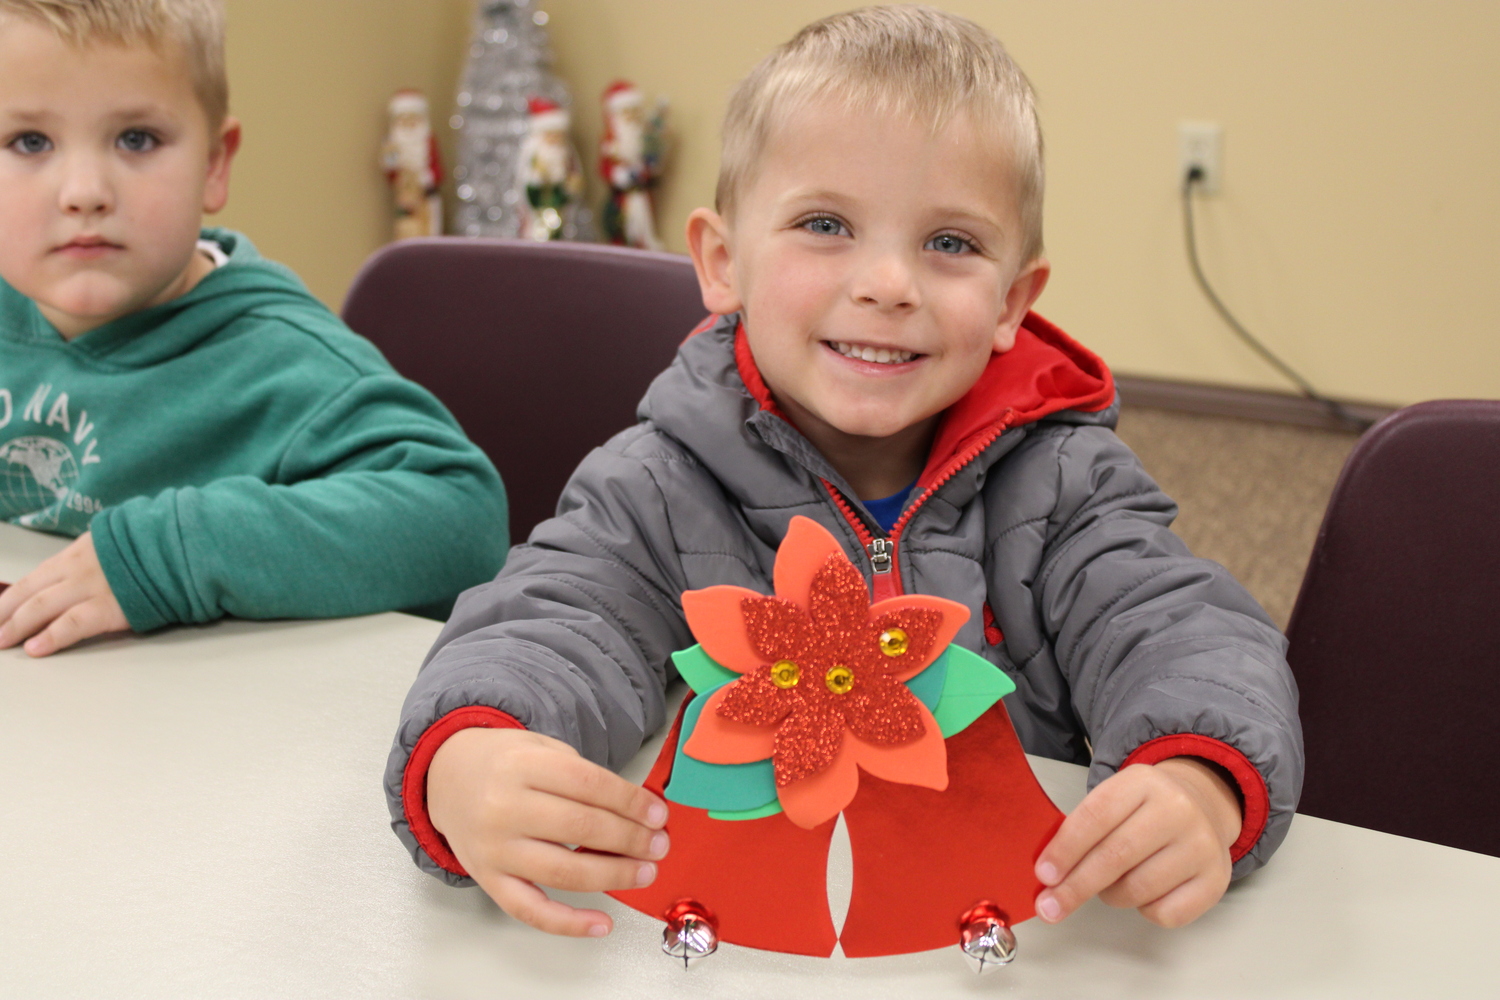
[413, 168]
[630, 156]
[815, 702]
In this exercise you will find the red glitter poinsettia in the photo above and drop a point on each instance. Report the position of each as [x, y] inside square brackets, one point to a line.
[820, 691]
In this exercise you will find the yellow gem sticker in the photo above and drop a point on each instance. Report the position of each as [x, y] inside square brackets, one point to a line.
[839, 679]
[894, 642]
[785, 674]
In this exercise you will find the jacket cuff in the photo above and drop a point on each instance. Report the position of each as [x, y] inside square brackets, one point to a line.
[414, 777]
[143, 614]
[1252, 787]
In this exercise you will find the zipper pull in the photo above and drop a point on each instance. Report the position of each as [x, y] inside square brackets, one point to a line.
[880, 555]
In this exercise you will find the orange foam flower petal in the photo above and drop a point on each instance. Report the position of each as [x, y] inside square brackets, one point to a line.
[923, 761]
[718, 623]
[954, 616]
[803, 552]
[717, 740]
[822, 796]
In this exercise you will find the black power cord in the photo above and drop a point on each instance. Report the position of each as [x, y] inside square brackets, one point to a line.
[1339, 411]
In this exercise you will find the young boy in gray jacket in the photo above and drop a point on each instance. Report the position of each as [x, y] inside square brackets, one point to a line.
[872, 363]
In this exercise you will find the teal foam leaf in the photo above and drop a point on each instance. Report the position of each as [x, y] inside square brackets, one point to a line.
[700, 670]
[928, 685]
[972, 685]
[718, 787]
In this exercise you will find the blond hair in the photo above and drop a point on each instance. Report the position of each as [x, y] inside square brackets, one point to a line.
[911, 60]
[197, 24]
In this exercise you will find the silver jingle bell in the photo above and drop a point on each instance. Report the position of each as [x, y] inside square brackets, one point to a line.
[690, 933]
[987, 940]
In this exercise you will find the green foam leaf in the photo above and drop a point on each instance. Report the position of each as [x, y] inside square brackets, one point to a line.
[718, 787]
[928, 685]
[767, 810]
[972, 685]
[701, 671]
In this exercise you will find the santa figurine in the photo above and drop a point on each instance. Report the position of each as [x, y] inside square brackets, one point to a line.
[630, 161]
[550, 175]
[412, 166]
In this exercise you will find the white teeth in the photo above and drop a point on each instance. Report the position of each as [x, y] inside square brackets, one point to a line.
[876, 355]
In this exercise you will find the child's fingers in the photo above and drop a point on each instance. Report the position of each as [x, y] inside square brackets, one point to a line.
[33, 614]
[531, 905]
[76, 623]
[564, 821]
[12, 599]
[1153, 878]
[586, 782]
[1186, 903]
[1110, 804]
[556, 867]
[1121, 850]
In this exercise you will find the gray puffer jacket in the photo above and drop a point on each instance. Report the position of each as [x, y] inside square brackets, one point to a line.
[1123, 646]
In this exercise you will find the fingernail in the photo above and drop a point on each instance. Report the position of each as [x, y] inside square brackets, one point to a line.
[646, 874]
[656, 815]
[659, 845]
[1046, 872]
[598, 930]
[1048, 907]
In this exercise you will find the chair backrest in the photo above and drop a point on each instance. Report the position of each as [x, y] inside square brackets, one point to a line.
[1395, 638]
[541, 350]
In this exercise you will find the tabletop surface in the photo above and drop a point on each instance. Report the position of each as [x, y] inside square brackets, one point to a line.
[198, 813]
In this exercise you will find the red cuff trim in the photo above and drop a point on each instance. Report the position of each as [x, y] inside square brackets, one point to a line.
[1252, 785]
[414, 778]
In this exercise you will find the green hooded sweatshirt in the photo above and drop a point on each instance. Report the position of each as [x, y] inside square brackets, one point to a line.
[239, 451]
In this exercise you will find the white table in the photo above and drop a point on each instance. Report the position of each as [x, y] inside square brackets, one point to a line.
[198, 813]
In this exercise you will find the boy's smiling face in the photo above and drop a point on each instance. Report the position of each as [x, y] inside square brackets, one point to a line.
[877, 265]
[107, 164]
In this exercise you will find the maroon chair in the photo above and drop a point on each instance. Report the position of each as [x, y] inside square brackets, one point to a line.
[1395, 639]
[541, 350]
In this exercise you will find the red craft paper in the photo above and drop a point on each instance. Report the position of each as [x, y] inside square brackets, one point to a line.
[764, 879]
[922, 858]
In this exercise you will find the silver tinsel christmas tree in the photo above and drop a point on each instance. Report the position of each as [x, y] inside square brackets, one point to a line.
[509, 60]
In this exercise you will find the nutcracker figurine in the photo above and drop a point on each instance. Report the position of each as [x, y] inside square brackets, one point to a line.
[412, 166]
[630, 161]
[550, 175]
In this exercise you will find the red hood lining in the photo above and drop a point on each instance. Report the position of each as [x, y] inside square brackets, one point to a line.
[1046, 372]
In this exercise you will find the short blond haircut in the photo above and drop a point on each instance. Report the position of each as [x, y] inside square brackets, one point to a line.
[911, 60]
[198, 25]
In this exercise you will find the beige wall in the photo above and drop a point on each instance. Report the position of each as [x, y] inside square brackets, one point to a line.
[1358, 229]
[310, 80]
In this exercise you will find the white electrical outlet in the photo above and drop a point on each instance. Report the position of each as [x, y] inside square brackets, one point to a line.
[1201, 145]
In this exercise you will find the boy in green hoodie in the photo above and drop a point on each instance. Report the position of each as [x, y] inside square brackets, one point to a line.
[217, 441]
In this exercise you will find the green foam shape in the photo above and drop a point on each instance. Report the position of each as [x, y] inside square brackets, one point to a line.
[973, 684]
[727, 788]
[928, 684]
[702, 673]
[770, 809]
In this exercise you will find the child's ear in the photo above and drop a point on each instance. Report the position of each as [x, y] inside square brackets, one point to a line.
[708, 241]
[220, 156]
[1023, 292]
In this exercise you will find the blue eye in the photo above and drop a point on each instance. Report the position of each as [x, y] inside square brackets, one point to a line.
[137, 140]
[948, 243]
[31, 143]
[825, 225]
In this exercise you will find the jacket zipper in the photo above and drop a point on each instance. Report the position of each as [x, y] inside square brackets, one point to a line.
[882, 551]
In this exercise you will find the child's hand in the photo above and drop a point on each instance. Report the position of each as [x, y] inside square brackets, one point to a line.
[507, 800]
[64, 600]
[1155, 837]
